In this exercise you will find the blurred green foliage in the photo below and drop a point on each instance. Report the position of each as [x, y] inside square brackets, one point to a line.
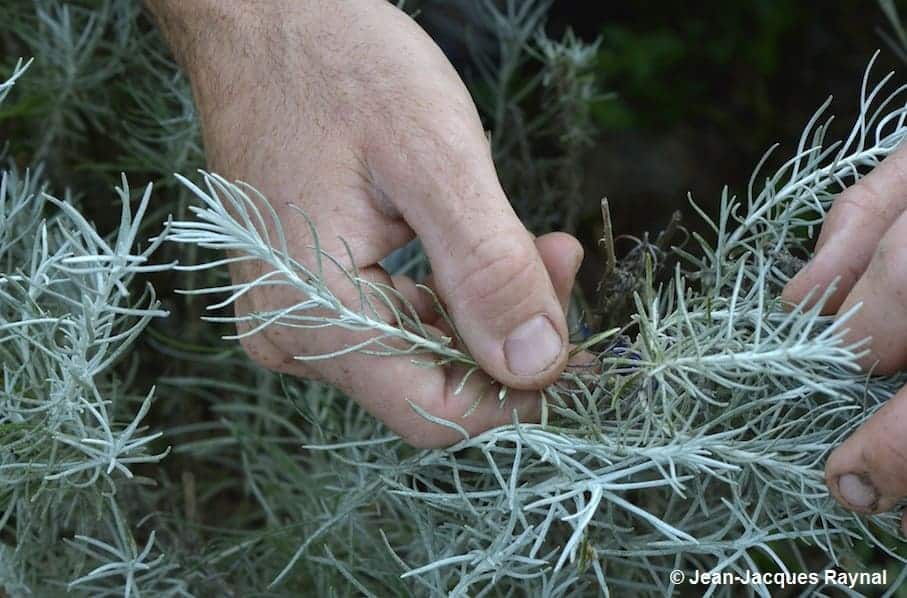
[756, 70]
[666, 66]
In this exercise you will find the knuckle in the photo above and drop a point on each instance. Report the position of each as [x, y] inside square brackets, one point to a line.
[501, 273]
[444, 140]
[860, 204]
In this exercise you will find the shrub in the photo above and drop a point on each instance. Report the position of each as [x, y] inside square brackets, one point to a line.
[698, 445]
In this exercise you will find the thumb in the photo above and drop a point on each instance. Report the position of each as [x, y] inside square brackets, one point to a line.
[502, 300]
[486, 266]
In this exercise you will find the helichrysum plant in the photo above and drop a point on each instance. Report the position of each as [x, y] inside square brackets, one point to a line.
[72, 431]
[523, 106]
[700, 445]
[696, 444]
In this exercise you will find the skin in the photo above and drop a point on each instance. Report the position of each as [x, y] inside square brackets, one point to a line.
[863, 244]
[348, 110]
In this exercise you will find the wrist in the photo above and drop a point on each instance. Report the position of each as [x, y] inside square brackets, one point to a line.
[190, 28]
[214, 42]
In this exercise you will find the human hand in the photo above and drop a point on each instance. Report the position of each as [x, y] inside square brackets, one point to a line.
[349, 111]
[864, 242]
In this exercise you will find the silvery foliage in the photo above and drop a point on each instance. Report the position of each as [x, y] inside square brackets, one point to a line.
[531, 87]
[78, 61]
[71, 429]
[699, 446]
[731, 405]
[897, 37]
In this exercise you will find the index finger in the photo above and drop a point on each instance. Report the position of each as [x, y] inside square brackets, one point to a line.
[852, 229]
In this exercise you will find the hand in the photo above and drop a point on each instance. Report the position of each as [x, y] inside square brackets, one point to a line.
[349, 111]
[864, 241]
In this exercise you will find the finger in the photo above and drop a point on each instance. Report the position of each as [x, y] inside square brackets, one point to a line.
[418, 297]
[562, 255]
[852, 229]
[486, 266]
[259, 347]
[882, 291]
[387, 386]
[868, 473]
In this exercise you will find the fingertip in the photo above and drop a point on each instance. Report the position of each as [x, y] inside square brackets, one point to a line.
[813, 288]
[867, 473]
[535, 352]
[794, 292]
[562, 255]
[857, 492]
[564, 244]
[472, 406]
[583, 359]
[851, 481]
[805, 289]
[506, 302]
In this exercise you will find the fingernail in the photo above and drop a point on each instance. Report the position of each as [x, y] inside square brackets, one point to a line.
[532, 347]
[857, 490]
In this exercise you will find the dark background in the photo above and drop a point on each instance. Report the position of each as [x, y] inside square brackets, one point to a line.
[703, 90]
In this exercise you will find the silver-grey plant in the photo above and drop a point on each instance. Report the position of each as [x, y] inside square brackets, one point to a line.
[71, 429]
[700, 445]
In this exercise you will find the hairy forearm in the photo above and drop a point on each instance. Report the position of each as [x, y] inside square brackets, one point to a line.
[192, 28]
[244, 56]
[218, 44]
[248, 56]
